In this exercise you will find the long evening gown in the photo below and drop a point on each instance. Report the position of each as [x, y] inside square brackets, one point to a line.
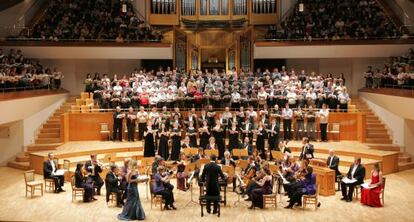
[163, 147]
[260, 144]
[149, 146]
[257, 194]
[234, 141]
[193, 138]
[176, 145]
[204, 139]
[371, 197]
[133, 209]
[219, 136]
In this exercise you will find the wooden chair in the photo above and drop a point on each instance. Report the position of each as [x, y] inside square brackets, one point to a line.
[311, 199]
[240, 153]
[112, 199]
[278, 155]
[230, 171]
[202, 162]
[383, 191]
[335, 131]
[211, 152]
[31, 184]
[155, 198]
[190, 151]
[271, 199]
[105, 130]
[76, 191]
[79, 102]
[49, 185]
[242, 164]
[357, 191]
[66, 167]
[75, 109]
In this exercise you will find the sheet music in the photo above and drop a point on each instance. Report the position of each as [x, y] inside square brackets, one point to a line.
[283, 178]
[142, 177]
[348, 181]
[59, 172]
[367, 186]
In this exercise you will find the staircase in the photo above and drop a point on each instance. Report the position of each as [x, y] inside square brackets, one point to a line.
[48, 137]
[378, 137]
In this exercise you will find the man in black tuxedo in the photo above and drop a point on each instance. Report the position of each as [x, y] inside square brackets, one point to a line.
[247, 130]
[93, 167]
[112, 184]
[333, 162]
[118, 118]
[307, 150]
[273, 136]
[211, 174]
[357, 172]
[49, 169]
[247, 145]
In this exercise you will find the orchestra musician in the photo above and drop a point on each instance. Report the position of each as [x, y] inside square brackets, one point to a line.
[264, 186]
[81, 182]
[333, 162]
[355, 176]
[248, 174]
[307, 149]
[142, 117]
[118, 118]
[94, 167]
[247, 146]
[113, 185]
[181, 175]
[294, 181]
[50, 167]
[306, 186]
[161, 179]
[124, 182]
[288, 169]
[131, 122]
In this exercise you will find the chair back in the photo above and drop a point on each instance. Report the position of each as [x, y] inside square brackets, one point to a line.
[336, 127]
[190, 167]
[242, 164]
[211, 152]
[202, 161]
[278, 155]
[273, 168]
[75, 109]
[66, 164]
[104, 127]
[29, 176]
[383, 183]
[72, 181]
[229, 170]
[190, 151]
[151, 186]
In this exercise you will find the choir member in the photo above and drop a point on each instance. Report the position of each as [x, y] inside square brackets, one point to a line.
[300, 123]
[94, 168]
[234, 142]
[333, 162]
[323, 122]
[164, 136]
[149, 138]
[287, 115]
[175, 134]
[260, 140]
[131, 123]
[118, 118]
[204, 134]
[273, 136]
[192, 134]
[49, 172]
[219, 135]
[247, 130]
[310, 123]
[142, 117]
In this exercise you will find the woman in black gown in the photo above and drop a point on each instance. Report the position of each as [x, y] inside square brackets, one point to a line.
[192, 133]
[176, 142]
[80, 182]
[260, 140]
[234, 142]
[204, 135]
[164, 136]
[219, 135]
[149, 135]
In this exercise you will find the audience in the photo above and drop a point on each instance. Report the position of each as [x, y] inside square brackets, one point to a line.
[18, 72]
[397, 73]
[97, 20]
[336, 20]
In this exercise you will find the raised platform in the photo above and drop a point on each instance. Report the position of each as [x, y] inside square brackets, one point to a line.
[80, 151]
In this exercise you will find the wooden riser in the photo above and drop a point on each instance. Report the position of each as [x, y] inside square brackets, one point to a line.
[405, 166]
[49, 135]
[375, 130]
[22, 159]
[20, 166]
[377, 135]
[375, 125]
[379, 140]
[50, 130]
[47, 140]
[41, 147]
[55, 125]
[385, 148]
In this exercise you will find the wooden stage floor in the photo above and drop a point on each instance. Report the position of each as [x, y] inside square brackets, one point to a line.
[399, 202]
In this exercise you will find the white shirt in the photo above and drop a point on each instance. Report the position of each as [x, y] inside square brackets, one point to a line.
[353, 170]
[323, 115]
[53, 166]
[287, 113]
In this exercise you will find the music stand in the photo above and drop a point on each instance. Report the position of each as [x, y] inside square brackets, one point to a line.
[190, 168]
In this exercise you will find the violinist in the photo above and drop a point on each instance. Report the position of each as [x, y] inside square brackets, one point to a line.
[94, 167]
[248, 174]
[161, 179]
[306, 186]
[294, 182]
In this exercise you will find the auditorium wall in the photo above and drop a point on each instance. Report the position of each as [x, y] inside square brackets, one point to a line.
[75, 70]
[14, 16]
[11, 146]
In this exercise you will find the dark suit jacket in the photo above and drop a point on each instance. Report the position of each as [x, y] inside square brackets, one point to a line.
[98, 169]
[232, 162]
[249, 148]
[359, 174]
[111, 184]
[335, 164]
[304, 153]
[47, 168]
[211, 174]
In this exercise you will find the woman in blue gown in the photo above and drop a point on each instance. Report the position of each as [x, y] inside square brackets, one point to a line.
[133, 209]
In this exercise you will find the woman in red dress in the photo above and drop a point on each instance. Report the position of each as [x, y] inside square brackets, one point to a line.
[371, 196]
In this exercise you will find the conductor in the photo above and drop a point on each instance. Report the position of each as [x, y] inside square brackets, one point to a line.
[211, 174]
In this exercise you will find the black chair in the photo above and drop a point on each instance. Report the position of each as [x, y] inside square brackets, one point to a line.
[203, 202]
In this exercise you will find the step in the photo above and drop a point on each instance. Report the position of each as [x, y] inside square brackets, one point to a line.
[374, 125]
[377, 130]
[57, 122]
[405, 166]
[49, 135]
[19, 165]
[385, 147]
[378, 140]
[404, 158]
[42, 147]
[377, 135]
[47, 140]
[50, 130]
[22, 158]
[51, 125]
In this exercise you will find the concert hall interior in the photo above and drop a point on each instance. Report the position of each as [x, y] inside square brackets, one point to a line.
[206, 110]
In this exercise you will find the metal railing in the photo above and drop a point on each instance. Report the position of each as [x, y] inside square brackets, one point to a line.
[401, 14]
[332, 40]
